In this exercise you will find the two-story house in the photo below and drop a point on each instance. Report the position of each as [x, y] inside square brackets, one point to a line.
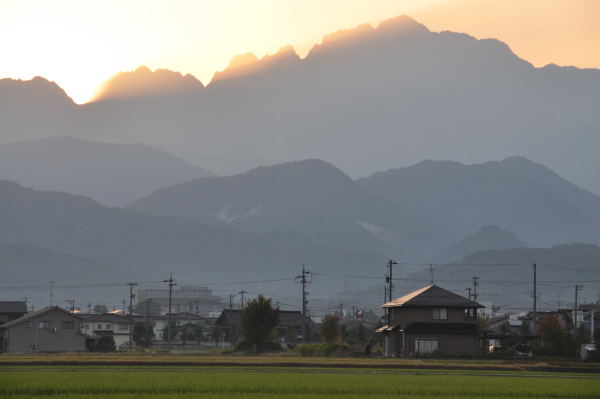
[51, 329]
[432, 320]
[108, 324]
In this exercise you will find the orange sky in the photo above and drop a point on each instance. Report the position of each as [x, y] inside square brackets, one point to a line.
[79, 44]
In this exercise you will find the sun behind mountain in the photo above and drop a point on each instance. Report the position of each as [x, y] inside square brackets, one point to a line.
[145, 82]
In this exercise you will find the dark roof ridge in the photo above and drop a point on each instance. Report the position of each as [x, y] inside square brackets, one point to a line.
[33, 315]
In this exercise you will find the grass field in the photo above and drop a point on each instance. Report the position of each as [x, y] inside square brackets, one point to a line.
[135, 375]
[132, 383]
[158, 359]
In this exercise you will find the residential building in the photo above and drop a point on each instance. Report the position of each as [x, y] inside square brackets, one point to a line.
[507, 331]
[430, 321]
[51, 329]
[178, 321]
[108, 324]
[11, 310]
[186, 298]
[564, 316]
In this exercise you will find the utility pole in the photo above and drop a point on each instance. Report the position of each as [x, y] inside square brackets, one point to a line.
[475, 285]
[51, 293]
[242, 292]
[577, 289]
[390, 281]
[431, 271]
[303, 279]
[72, 303]
[169, 328]
[534, 324]
[131, 294]
[231, 296]
[469, 292]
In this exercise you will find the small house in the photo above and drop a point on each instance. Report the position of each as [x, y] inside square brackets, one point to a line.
[51, 329]
[431, 321]
[108, 324]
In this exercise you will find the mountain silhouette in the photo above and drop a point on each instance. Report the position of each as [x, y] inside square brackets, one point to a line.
[524, 197]
[506, 275]
[310, 197]
[144, 82]
[365, 99]
[113, 174]
[136, 244]
[488, 237]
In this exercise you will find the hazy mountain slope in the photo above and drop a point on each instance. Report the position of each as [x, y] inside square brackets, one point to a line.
[310, 197]
[151, 246]
[526, 198]
[114, 174]
[366, 99]
[488, 237]
[34, 108]
[26, 271]
[506, 276]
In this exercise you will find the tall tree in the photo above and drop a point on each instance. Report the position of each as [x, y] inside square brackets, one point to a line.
[330, 329]
[143, 335]
[259, 320]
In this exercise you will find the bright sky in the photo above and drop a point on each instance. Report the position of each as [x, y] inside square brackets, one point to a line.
[81, 43]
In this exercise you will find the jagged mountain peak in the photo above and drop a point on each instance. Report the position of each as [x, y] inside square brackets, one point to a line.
[249, 63]
[145, 82]
[37, 89]
[399, 26]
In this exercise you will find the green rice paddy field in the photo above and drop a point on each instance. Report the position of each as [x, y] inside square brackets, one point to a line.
[133, 382]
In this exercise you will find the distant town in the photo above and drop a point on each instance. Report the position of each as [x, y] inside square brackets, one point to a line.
[429, 321]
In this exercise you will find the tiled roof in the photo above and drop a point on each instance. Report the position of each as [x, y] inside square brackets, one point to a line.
[33, 315]
[105, 317]
[432, 296]
[11, 307]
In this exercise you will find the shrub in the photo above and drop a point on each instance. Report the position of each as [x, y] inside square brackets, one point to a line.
[325, 350]
[246, 346]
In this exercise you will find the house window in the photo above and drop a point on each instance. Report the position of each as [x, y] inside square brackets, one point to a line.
[440, 314]
[67, 325]
[425, 346]
[99, 327]
[44, 325]
[123, 326]
[108, 326]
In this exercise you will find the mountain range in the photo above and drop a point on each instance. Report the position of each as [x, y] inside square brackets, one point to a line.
[268, 221]
[144, 247]
[411, 213]
[365, 99]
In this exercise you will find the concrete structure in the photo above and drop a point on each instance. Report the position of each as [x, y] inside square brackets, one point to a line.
[186, 298]
[431, 321]
[11, 310]
[108, 324]
[51, 329]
